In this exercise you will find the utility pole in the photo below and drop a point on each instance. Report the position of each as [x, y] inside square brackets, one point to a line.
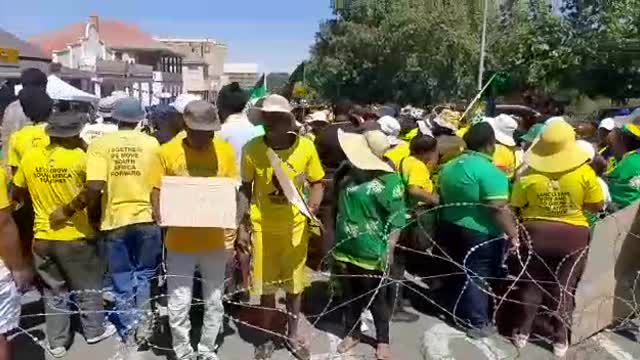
[483, 43]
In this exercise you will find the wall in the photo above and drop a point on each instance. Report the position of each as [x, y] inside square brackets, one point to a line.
[193, 78]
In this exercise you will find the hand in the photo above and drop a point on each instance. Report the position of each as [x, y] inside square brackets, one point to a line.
[23, 277]
[58, 218]
[514, 243]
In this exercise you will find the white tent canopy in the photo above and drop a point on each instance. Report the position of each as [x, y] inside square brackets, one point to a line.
[57, 89]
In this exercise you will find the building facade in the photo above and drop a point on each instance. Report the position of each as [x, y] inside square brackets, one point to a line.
[121, 56]
[203, 65]
[244, 74]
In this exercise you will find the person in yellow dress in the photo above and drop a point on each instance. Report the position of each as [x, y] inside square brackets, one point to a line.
[280, 237]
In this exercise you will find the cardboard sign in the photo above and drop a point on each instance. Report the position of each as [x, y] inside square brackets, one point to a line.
[607, 291]
[198, 202]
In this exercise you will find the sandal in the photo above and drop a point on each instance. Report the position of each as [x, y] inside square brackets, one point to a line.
[383, 352]
[264, 351]
[299, 349]
[347, 344]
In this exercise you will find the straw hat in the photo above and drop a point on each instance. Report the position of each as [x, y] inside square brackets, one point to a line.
[448, 119]
[556, 150]
[365, 151]
[504, 126]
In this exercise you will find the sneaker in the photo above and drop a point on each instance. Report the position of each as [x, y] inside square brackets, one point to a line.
[58, 352]
[481, 333]
[520, 340]
[109, 331]
[560, 349]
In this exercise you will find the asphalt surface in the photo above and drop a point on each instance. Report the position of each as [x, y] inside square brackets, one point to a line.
[428, 338]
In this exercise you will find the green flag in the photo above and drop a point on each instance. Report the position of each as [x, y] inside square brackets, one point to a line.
[259, 89]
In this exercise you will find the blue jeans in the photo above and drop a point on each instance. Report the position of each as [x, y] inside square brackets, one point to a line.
[134, 253]
[484, 262]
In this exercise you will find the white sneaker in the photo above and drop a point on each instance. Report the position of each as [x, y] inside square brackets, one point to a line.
[560, 350]
[109, 331]
[520, 340]
[57, 352]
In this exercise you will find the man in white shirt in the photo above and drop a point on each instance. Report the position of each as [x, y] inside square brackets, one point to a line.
[237, 130]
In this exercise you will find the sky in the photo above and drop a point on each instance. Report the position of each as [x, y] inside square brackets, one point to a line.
[275, 34]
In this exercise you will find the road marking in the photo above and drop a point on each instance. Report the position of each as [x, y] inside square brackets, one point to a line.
[436, 344]
[612, 348]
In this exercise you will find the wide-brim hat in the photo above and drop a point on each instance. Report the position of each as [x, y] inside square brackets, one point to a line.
[504, 126]
[448, 119]
[201, 116]
[182, 100]
[275, 103]
[365, 151]
[65, 124]
[556, 150]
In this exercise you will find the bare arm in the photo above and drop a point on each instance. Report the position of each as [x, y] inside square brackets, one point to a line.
[11, 250]
[315, 196]
[506, 220]
[426, 197]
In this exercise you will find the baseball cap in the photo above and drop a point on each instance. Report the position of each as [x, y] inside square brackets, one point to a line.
[608, 124]
[201, 115]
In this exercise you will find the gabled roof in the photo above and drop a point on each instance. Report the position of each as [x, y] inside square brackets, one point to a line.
[115, 34]
[8, 40]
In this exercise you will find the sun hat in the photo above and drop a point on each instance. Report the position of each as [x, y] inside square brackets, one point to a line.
[533, 133]
[553, 119]
[391, 128]
[320, 116]
[448, 119]
[65, 124]
[607, 124]
[128, 110]
[504, 126]
[556, 150]
[275, 103]
[202, 116]
[365, 151]
[182, 100]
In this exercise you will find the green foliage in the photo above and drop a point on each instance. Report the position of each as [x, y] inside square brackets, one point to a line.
[426, 51]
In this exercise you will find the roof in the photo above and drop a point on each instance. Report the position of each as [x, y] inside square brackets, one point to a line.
[240, 68]
[8, 40]
[115, 34]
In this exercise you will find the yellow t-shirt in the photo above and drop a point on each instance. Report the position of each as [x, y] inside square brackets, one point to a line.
[54, 176]
[129, 162]
[416, 173]
[219, 161]
[30, 136]
[557, 197]
[270, 208]
[398, 153]
[4, 192]
[504, 158]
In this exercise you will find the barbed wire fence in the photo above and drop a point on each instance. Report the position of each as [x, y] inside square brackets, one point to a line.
[417, 286]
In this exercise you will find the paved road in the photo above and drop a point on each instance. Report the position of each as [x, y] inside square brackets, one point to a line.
[429, 338]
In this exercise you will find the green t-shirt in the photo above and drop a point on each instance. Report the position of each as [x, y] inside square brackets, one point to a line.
[472, 179]
[369, 210]
[624, 180]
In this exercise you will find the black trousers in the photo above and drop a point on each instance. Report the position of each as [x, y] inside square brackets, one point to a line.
[359, 286]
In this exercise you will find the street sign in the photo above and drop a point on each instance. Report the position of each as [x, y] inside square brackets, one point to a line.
[9, 56]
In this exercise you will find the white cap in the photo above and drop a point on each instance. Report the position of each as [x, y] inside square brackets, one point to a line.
[183, 100]
[390, 127]
[608, 124]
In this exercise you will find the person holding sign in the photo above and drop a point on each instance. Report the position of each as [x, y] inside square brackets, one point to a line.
[196, 153]
[124, 165]
[280, 237]
[552, 198]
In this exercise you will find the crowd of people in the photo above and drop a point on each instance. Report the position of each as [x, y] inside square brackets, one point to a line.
[80, 211]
